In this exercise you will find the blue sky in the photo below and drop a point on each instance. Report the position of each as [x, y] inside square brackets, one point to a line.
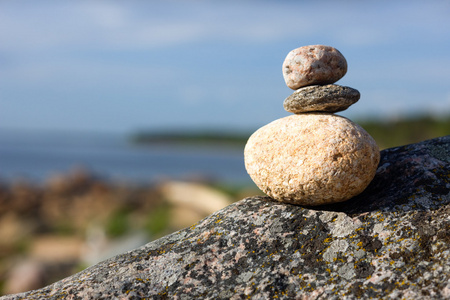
[120, 66]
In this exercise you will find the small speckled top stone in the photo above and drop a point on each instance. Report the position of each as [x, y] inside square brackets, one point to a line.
[325, 98]
[311, 159]
[316, 64]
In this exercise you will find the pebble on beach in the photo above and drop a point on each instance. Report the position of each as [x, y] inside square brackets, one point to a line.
[316, 64]
[326, 98]
[311, 159]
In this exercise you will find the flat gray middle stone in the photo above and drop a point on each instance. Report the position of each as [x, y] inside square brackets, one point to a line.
[324, 98]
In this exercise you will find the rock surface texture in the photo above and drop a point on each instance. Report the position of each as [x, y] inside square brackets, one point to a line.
[390, 242]
[315, 64]
[311, 159]
[326, 98]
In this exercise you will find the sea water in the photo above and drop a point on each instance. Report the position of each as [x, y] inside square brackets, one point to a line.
[36, 156]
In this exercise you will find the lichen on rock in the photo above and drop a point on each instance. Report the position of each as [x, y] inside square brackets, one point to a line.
[391, 241]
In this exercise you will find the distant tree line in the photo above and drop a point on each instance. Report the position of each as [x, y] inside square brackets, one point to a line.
[387, 133]
[402, 131]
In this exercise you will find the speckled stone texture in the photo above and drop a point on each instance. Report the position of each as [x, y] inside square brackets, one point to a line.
[326, 98]
[390, 242]
[311, 159]
[315, 64]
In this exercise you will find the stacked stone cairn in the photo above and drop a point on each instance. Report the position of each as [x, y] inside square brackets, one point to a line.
[313, 157]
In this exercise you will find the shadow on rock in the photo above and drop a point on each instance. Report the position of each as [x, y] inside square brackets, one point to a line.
[411, 177]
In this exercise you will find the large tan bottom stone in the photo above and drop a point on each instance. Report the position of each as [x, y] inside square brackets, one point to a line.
[311, 159]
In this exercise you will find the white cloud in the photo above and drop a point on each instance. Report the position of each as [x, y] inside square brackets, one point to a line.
[131, 25]
[76, 77]
[152, 24]
[108, 15]
[193, 95]
[126, 49]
